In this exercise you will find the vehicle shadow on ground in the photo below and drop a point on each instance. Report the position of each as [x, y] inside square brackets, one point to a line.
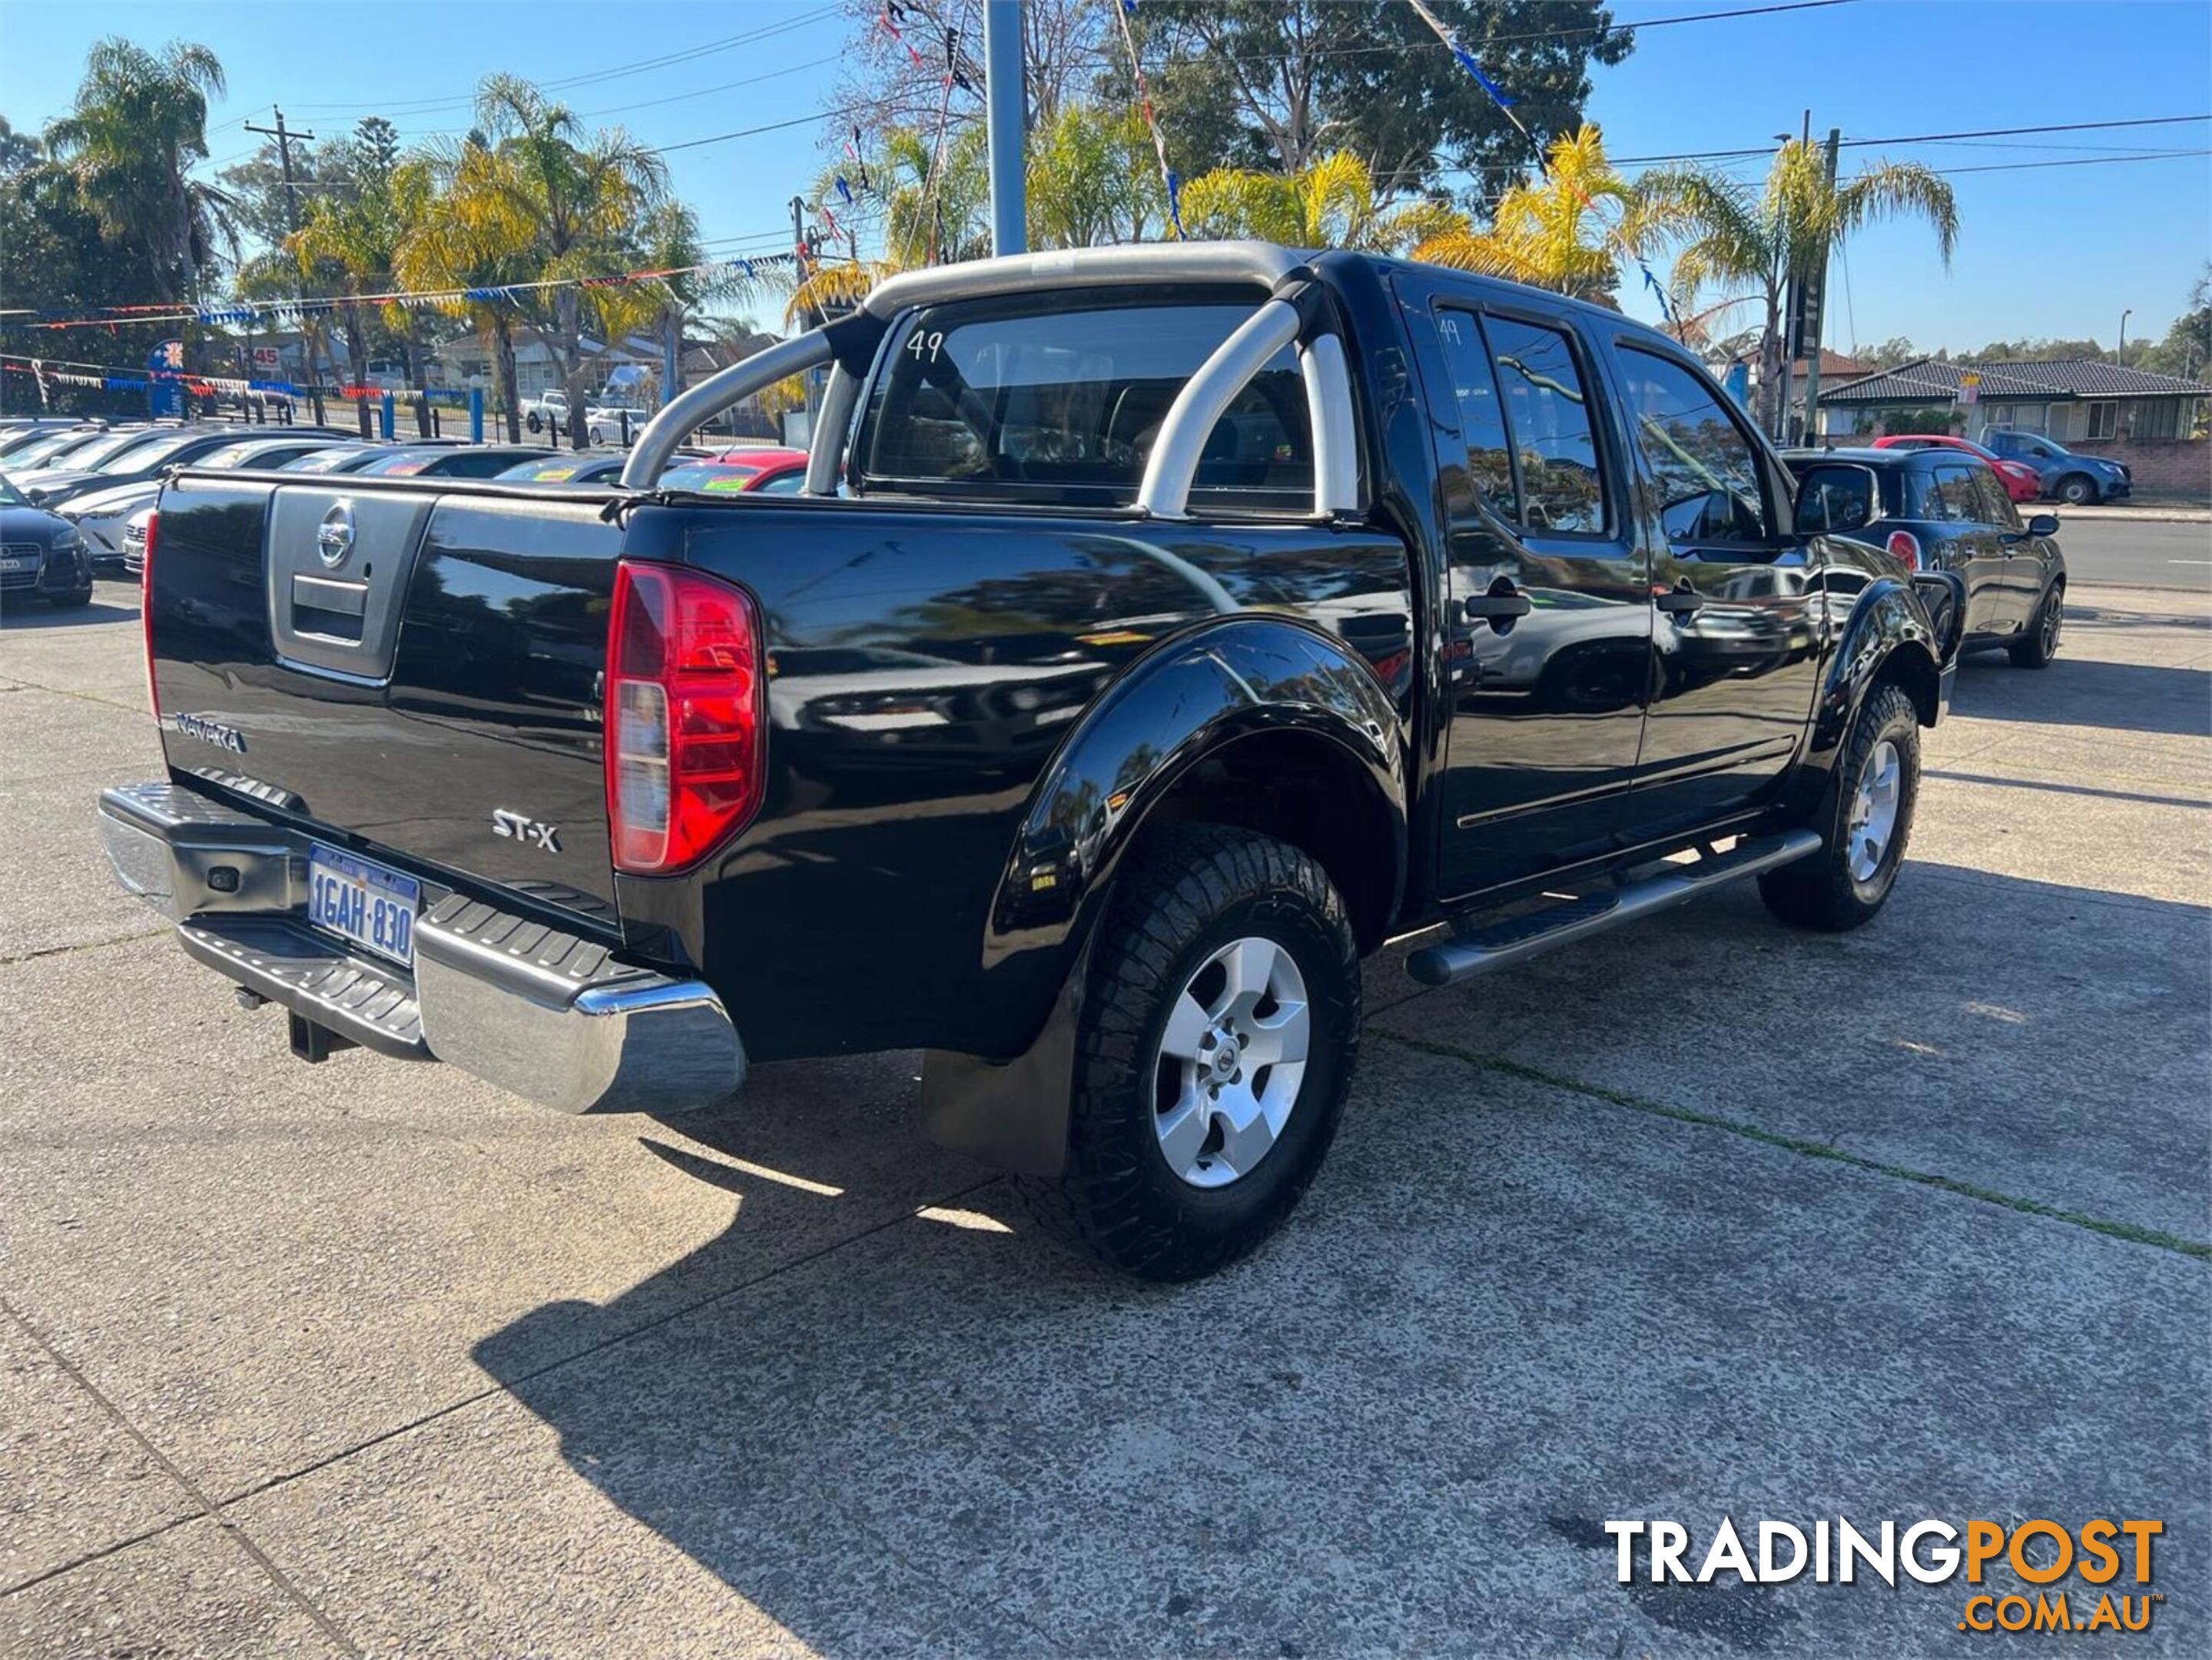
[2082, 691]
[947, 1434]
[37, 614]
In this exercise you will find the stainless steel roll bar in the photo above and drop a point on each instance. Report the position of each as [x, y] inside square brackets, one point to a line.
[1180, 448]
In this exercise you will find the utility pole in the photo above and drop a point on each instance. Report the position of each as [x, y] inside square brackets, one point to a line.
[1811, 304]
[1005, 118]
[284, 136]
[1789, 314]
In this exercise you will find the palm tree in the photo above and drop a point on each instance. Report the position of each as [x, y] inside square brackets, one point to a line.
[1762, 238]
[937, 210]
[569, 205]
[139, 125]
[452, 241]
[1332, 203]
[1093, 179]
[1564, 231]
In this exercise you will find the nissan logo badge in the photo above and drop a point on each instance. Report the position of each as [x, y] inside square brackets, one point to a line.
[334, 536]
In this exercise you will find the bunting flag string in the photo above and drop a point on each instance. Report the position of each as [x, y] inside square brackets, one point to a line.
[240, 311]
[891, 15]
[1505, 104]
[1169, 180]
[63, 372]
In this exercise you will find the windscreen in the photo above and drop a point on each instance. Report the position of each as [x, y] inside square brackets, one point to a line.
[1023, 397]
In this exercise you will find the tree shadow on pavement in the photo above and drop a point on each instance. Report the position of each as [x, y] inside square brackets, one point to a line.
[2080, 692]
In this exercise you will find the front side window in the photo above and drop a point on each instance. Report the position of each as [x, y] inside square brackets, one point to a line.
[1547, 412]
[1024, 398]
[1992, 505]
[1949, 495]
[1707, 475]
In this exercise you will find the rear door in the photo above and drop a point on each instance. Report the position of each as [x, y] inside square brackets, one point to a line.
[1547, 626]
[1738, 627]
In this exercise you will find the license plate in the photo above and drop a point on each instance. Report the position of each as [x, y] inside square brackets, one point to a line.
[11, 566]
[364, 902]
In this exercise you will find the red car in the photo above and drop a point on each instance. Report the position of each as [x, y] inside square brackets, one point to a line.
[760, 467]
[2023, 484]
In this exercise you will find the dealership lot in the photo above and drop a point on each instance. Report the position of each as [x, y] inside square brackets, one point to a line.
[1705, 1218]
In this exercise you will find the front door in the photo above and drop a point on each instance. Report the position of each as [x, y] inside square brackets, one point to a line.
[1547, 623]
[1738, 627]
[1973, 544]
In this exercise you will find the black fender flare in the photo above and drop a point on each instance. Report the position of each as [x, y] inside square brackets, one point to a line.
[1889, 620]
[1189, 699]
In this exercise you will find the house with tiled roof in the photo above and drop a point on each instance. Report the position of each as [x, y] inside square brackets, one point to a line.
[2153, 423]
[2074, 399]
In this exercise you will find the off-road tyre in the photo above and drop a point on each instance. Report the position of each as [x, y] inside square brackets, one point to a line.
[2039, 644]
[1821, 892]
[1186, 891]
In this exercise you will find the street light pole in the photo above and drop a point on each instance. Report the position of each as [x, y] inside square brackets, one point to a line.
[1005, 117]
[2120, 355]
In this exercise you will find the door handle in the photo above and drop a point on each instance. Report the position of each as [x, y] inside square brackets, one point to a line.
[1500, 605]
[1680, 601]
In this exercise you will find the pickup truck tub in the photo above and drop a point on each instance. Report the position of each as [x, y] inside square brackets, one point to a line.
[547, 1015]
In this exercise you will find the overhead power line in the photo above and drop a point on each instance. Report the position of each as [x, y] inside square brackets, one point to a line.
[1925, 138]
[427, 105]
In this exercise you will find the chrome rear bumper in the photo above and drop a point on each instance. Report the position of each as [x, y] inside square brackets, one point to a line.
[550, 1016]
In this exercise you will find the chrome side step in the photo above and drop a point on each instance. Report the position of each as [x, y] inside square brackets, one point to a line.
[1503, 945]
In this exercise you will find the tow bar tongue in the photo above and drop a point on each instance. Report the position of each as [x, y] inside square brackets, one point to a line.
[1484, 951]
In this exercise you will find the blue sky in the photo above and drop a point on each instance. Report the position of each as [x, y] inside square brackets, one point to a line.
[2046, 250]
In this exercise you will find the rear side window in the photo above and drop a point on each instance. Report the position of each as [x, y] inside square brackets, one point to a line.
[1481, 414]
[1025, 399]
[1548, 413]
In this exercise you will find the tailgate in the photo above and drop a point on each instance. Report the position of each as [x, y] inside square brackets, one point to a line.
[415, 665]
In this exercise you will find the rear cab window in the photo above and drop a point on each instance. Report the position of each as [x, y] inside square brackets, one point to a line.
[1059, 398]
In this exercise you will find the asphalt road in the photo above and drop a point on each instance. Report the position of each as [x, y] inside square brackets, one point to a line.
[1704, 1218]
[2140, 552]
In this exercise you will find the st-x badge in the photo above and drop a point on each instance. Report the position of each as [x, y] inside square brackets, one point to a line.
[536, 831]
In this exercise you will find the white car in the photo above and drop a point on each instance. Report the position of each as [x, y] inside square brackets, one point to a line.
[548, 408]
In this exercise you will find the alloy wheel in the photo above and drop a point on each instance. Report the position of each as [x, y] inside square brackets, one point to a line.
[1231, 1058]
[1874, 810]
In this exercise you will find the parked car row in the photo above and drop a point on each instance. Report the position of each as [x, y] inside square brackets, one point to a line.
[98, 483]
[2030, 466]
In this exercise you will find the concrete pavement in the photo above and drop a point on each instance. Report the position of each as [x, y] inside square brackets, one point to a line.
[1704, 1218]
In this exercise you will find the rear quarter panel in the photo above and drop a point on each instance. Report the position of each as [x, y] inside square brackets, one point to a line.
[926, 664]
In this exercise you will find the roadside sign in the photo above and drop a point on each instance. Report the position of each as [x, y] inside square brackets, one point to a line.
[1970, 388]
[266, 357]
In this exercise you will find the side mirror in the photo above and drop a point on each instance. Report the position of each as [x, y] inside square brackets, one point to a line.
[1835, 498]
[2043, 524]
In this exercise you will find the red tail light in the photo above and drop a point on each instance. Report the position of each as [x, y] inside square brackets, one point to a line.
[146, 611]
[1905, 548]
[686, 735]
